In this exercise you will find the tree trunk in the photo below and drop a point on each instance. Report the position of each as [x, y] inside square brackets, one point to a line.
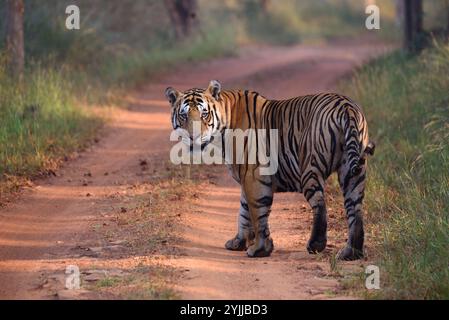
[265, 4]
[418, 16]
[15, 52]
[413, 24]
[183, 15]
[447, 19]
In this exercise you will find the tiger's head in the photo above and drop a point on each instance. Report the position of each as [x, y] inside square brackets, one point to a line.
[196, 114]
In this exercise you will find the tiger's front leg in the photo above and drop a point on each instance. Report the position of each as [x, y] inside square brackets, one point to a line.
[245, 234]
[260, 198]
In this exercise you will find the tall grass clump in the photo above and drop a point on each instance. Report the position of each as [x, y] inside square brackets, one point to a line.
[406, 99]
[40, 122]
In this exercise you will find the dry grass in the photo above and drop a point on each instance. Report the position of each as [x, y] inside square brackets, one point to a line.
[149, 218]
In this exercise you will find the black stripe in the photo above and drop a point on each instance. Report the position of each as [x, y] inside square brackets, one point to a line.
[247, 108]
[244, 205]
[265, 201]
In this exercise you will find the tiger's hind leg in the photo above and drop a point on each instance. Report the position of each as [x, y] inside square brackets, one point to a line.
[315, 196]
[353, 187]
[260, 198]
[245, 234]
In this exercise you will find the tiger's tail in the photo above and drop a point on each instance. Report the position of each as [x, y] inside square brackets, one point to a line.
[354, 145]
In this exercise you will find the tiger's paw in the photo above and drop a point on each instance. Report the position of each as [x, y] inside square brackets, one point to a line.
[316, 246]
[350, 254]
[236, 244]
[259, 251]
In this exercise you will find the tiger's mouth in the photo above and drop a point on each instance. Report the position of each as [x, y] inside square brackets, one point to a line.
[203, 145]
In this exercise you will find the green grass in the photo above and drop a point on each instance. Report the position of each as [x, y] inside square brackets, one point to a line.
[406, 99]
[40, 122]
[108, 282]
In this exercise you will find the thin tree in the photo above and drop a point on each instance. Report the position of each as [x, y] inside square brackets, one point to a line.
[447, 18]
[15, 52]
[183, 15]
[413, 24]
[265, 5]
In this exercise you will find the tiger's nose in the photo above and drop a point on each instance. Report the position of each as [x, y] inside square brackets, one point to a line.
[196, 139]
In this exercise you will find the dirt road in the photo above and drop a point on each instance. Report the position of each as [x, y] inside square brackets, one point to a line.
[83, 215]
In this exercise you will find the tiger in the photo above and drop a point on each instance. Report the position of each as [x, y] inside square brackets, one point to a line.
[318, 134]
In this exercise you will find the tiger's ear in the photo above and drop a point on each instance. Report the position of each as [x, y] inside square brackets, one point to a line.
[172, 95]
[214, 89]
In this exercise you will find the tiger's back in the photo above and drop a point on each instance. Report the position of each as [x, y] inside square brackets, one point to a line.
[312, 131]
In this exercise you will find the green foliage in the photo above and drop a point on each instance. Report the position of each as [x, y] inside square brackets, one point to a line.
[116, 39]
[139, 66]
[406, 99]
[292, 21]
[281, 24]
